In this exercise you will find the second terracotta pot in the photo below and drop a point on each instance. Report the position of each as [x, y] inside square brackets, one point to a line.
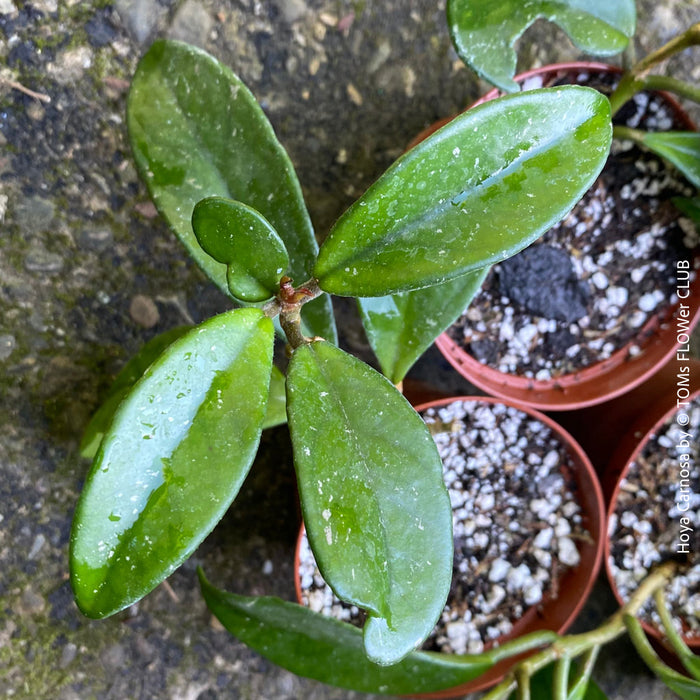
[639, 445]
[657, 339]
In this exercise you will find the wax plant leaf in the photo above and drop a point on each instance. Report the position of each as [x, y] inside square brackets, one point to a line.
[681, 148]
[401, 327]
[315, 646]
[237, 235]
[484, 31]
[133, 371]
[176, 454]
[276, 413]
[197, 131]
[130, 373]
[690, 206]
[373, 498]
[475, 192]
[686, 688]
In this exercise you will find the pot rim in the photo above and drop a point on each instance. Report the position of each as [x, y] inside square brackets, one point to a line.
[603, 380]
[662, 414]
[594, 520]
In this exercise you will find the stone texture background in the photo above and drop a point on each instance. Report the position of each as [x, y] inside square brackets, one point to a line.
[88, 272]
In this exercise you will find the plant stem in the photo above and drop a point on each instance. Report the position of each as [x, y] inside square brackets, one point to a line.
[560, 682]
[502, 691]
[21, 88]
[674, 638]
[646, 651]
[635, 79]
[574, 645]
[523, 684]
[523, 644]
[626, 132]
[679, 87]
[515, 647]
[586, 670]
[664, 614]
[289, 302]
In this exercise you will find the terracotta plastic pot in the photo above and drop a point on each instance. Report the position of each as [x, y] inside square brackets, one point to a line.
[610, 431]
[630, 447]
[601, 381]
[574, 585]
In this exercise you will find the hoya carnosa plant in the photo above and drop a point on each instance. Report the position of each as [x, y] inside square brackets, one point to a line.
[180, 430]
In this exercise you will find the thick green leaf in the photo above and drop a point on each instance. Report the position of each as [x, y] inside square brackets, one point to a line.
[401, 327]
[319, 647]
[237, 235]
[131, 372]
[277, 400]
[475, 192]
[174, 458]
[197, 131]
[376, 510]
[682, 148]
[690, 206]
[485, 31]
[686, 688]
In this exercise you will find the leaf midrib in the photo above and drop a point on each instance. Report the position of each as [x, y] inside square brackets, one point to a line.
[365, 461]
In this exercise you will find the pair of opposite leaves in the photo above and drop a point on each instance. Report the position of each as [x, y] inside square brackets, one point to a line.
[181, 443]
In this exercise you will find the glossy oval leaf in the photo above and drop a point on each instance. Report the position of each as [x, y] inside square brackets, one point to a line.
[197, 131]
[682, 148]
[401, 327]
[241, 238]
[131, 372]
[475, 192]
[276, 412]
[175, 456]
[314, 646]
[373, 498]
[484, 32]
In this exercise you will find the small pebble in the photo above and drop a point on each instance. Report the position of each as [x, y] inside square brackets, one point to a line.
[143, 310]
